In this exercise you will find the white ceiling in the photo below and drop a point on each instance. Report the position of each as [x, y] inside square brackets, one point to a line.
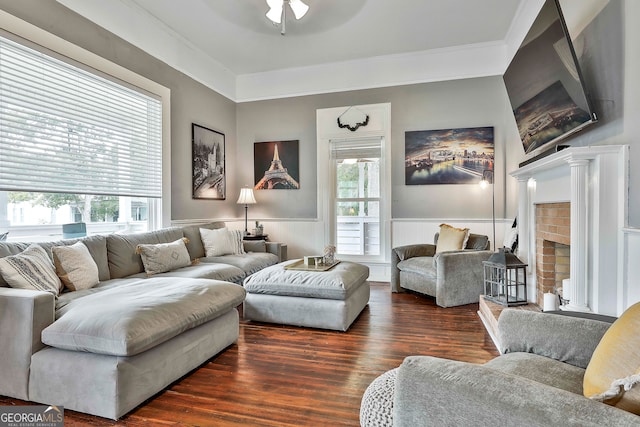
[230, 46]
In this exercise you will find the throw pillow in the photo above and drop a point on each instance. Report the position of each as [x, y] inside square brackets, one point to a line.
[75, 266]
[613, 373]
[164, 257]
[31, 269]
[221, 241]
[451, 238]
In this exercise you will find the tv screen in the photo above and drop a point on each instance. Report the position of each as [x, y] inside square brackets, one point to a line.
[545, 84]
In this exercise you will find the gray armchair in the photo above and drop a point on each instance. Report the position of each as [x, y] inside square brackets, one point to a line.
[452, 277]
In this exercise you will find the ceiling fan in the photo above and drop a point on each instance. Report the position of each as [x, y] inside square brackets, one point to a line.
[278, 13]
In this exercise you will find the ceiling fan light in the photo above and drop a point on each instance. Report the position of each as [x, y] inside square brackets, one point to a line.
[299, 8]
[275, 11]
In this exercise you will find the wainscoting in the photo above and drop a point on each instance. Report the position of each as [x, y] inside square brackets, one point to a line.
[306, 237]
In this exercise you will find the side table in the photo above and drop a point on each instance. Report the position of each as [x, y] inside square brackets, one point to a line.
[264, 237]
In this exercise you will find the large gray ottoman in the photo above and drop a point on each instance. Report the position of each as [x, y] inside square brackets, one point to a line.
[318, 299]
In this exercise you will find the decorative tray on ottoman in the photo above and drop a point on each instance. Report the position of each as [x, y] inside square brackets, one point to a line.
[301, 266]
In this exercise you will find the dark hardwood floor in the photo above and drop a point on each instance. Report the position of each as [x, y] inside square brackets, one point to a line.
[288, 376]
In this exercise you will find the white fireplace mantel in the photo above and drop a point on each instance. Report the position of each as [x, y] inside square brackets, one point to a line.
[594, 180]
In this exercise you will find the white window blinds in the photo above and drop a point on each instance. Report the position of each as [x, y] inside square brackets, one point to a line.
[66, 130]
[356, 149]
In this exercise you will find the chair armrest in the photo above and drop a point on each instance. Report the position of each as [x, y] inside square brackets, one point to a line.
[567, 339]
[459, 276]
[437, 392]
[279, 249]
[23, 316]
[405, 252]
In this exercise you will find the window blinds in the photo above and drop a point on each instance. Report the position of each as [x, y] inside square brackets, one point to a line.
[66, 130]
[356, 149]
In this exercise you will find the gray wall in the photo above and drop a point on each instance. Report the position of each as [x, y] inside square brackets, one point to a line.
[610, 65]
[442, 105]
[190, 101]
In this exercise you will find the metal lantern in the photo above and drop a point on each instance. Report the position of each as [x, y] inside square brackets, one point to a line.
[505, 279]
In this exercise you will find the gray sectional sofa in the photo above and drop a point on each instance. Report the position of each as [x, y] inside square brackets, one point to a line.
[106, 349]
[537, 381]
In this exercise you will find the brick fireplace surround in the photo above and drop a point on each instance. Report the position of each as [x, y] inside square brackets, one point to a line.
[553, 229]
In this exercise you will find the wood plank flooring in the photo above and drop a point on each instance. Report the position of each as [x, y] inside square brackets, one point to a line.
[287, 376]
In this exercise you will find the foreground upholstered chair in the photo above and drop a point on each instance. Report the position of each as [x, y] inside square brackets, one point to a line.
[548, 364]
[453, 277]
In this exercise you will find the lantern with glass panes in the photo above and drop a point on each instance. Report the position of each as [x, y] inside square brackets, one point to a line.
[505, 279]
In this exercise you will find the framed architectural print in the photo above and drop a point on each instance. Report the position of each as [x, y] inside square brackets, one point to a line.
[208, 163]
[276, 165]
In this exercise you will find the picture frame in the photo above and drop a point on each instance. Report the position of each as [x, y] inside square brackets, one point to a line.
[448, 156]
[208, 163]
[276, 165]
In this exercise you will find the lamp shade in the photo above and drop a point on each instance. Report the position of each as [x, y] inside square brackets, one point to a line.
[246, 197]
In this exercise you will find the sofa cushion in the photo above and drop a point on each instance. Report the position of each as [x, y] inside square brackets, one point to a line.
[221, 242]
[477, 242]
[163, 257]
[541, 369]
[31, 269]
[121, 249]
[254, 245]
[420, 265]
[249, 263]
[192, 232]
[616, 359]
[75, 267]
[224, 272]
[134, 315]
[451, 238]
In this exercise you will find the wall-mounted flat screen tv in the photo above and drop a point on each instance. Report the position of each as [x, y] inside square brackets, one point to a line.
[545, 84]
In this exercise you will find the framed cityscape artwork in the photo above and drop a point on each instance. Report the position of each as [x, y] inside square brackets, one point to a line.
[448, 156]
[208, 163]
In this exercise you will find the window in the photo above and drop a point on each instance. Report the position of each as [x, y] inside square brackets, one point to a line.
[356, 168]
[75, 145]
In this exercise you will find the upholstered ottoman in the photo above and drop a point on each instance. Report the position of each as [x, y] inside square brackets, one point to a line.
[318, 299]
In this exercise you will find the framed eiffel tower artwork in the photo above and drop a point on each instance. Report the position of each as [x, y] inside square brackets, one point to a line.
[276, 165]
[208, 163]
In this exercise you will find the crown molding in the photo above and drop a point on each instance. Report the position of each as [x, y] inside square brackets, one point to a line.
[137, 26]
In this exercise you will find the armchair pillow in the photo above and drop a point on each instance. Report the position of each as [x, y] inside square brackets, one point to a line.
[75, 267]
[613, 374]
[31, 269]
[451, 238]
[164, 257]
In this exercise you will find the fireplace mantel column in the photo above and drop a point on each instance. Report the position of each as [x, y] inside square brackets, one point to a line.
[578, 294]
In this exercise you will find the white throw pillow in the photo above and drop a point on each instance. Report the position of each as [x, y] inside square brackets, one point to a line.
[75, 266]
[221, 241]
[164, 257]
[31, 269]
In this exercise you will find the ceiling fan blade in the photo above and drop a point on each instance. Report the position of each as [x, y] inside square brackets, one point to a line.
[299, 8]
[275, 11]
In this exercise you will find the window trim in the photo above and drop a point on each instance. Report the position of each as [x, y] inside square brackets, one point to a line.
[327, 132]
[37, 38]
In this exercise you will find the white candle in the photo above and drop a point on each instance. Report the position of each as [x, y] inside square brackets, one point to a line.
[550, 302]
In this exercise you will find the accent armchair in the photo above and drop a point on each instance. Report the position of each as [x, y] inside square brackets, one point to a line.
[452, 277]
